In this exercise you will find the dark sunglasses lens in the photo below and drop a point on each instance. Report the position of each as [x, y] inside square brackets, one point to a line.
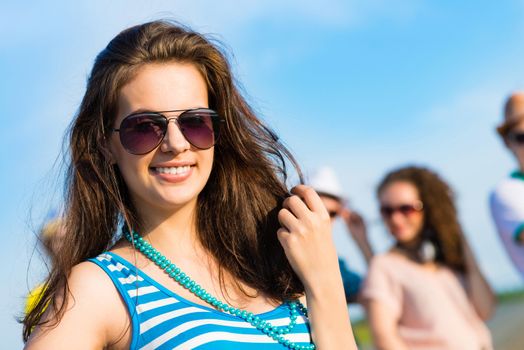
[200, 127]
[517, 137]
[386, 211]
[142, 133]
[406, 209]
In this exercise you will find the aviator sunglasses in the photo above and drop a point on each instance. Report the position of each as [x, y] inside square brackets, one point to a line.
[516, 137]
[405, 209]
[142, 132]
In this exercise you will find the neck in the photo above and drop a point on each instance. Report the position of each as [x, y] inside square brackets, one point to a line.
[410, 245]
[410, 249]
[170, 230]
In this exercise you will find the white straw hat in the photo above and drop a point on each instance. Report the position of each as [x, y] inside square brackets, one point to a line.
[324, 180]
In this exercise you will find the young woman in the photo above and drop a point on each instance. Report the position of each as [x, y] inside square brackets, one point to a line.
[213, 251]
[427, 292]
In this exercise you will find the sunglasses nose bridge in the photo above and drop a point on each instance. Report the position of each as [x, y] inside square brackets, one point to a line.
[174, 119]
[174, 138]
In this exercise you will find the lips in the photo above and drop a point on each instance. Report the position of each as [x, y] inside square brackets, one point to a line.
[172, 174]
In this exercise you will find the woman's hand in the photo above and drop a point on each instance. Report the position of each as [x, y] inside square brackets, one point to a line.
[306, 235]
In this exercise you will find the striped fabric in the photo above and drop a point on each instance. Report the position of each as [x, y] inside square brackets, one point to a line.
[161, 319]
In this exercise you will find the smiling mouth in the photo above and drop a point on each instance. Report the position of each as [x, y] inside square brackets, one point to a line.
[179, 170]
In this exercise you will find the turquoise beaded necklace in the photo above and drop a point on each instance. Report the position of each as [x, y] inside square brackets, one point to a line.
[185, 281]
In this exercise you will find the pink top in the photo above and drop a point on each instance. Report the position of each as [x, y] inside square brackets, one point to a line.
[432, 308]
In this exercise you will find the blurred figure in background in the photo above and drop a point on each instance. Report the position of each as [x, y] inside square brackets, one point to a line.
[326, 183]
[50, 236]
[427, 291]
[507, 200]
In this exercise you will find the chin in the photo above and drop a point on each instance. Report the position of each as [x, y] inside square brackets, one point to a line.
[173, 199]
[403, 237]
[178, 200]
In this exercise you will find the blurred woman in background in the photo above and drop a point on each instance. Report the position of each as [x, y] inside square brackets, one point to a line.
[427, 291]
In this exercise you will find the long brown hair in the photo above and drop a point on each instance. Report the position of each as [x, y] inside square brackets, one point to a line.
[441, 223]
[237, 209]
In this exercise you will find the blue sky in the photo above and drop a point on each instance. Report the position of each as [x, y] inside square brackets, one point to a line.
[362, 86]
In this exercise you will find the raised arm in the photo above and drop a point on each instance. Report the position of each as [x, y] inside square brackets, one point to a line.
[307, 240]
[477, 287]
[357, 229]
[94, 315]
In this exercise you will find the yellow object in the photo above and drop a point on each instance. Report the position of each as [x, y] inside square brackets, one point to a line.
[34, 297]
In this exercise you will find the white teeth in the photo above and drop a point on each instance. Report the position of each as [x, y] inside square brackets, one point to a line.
[173, 170]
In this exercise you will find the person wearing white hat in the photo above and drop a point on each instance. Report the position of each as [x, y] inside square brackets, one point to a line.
[507, 199]
[325, 182]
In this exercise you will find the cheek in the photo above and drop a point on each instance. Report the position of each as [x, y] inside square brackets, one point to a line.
[519, 151]
[417, 221]
[393, 224]
[134, 171]
[128, 174]
[210, 159]
[390, 225]
[205, 167]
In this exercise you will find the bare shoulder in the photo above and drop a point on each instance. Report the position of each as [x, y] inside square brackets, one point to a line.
[95, 315]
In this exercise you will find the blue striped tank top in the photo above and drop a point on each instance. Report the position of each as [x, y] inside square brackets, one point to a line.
[162, 319]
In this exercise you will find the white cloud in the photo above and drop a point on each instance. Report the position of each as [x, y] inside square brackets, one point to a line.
[475, 107]
[22, 23]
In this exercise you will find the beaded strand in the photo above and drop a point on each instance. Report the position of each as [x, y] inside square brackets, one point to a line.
[185, 281]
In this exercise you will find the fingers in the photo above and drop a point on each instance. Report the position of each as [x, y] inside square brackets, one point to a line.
[296, 206]
[302, 209]
[310, 198]
[284, 237]
[288, 220]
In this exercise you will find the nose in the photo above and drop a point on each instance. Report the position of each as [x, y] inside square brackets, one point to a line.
[174, 141]
[394, 221]
[396, 217]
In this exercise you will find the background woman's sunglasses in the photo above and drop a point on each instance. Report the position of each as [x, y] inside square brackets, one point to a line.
[140, 133]
[516, 137]
[405, 209]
